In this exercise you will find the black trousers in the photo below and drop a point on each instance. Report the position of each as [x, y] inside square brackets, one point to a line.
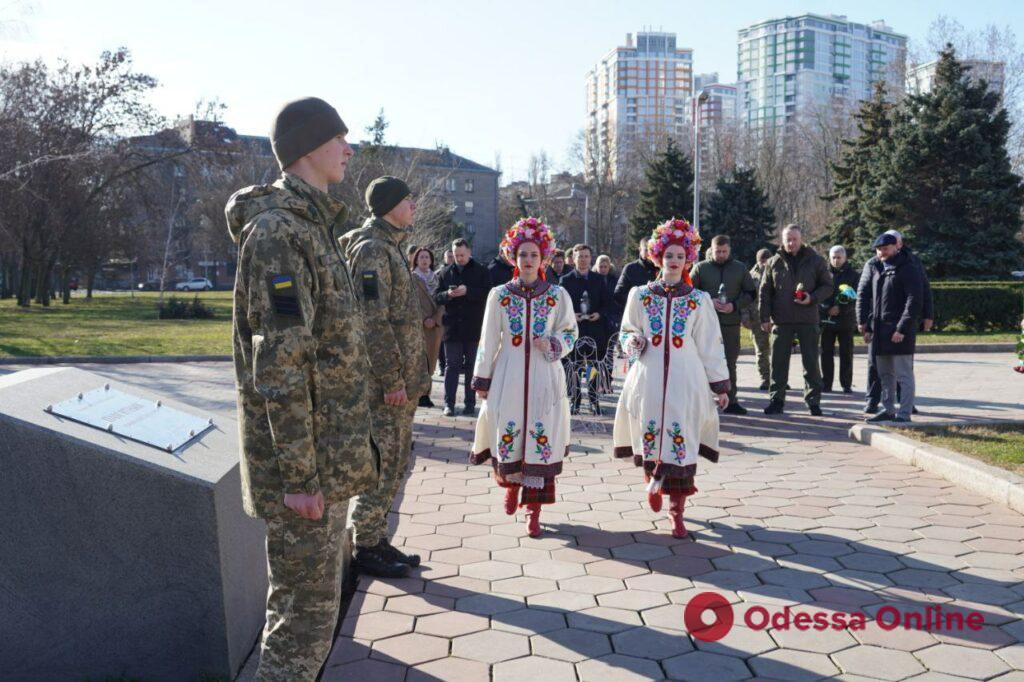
[459, 358]
[830, 334]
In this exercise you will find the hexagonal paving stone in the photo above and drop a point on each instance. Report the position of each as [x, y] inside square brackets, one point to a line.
[448, 669]
[591, 584]
[654, 643]
[876, 662]
[490, 646]
[618, 668]
[520, 555]
[366, 669]
[491, 570]
[460, 555]
[962, 661]
[410, 649]
[534, 668]
[570, 644]
[528, 621]
[451, 624]
[604, 619]
[420, 604]
[703, 666]
[374, 626]
[739, 641]
[791, 577]
[790, 664]
[817, 641]
[523, 586]
[900, 639]
[616, 569]
[654, 582]
[670, 617]
[489, 604]
[640, 551]
[554, 570]
[636, 600]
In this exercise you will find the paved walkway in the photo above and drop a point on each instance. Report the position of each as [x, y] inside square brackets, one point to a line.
[795, 514]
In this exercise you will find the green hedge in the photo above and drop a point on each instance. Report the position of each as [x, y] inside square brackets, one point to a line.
[978, 306]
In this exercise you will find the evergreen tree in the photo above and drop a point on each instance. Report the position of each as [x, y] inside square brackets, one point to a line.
[739, 208]
[669, 192]
[856, 178]
[946, 180]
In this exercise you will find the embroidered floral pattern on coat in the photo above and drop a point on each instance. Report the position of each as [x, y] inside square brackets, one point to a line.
[513, 306]
[543, 446]
[508, 439]
[652, 306]
[542, 306]
[681, 309]
[678, 445]
[650, 438]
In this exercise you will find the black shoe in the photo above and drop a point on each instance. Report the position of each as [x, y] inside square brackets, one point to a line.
[448, 411]
[902, 420]
[773, 408]
[815, 410]
[735, 408]
[881, 417]
[847, 389]
[871, 408]
[377, 562]
[826, 389]
[469, 411]
[395, 554]
[425, 401]
[913, 410]
[764, 386]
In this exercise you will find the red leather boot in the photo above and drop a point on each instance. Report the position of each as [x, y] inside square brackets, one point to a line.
[533, 519]
[511, 499]
[654, 500]
[675, 514]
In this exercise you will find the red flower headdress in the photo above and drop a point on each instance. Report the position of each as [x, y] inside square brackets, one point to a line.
[678, 233]
[527, 230]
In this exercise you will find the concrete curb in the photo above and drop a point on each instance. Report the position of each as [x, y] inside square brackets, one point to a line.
[110, 359]
[992, 482]
[928, 348]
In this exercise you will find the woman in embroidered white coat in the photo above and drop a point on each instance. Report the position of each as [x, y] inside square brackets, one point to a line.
[529, 326]
[666, 414]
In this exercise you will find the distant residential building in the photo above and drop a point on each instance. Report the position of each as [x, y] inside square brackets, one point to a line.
[798, 65]
[716, 116]
[702, 80]
[921, 79]
[638, 93]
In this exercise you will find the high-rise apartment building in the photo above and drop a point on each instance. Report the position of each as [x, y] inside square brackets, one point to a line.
[801, 65]
[921, 78]
[638, 94]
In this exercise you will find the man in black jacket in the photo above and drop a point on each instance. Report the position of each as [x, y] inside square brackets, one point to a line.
[559, 268]
[590, 300]
[839, 322]
[462, 290]
[635, 274]
[500, 270]
[888, 314]
[874, 391]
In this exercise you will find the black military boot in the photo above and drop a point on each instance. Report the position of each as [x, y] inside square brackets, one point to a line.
[378, 562]
[411, 560]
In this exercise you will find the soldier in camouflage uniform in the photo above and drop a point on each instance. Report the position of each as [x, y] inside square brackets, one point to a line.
[398, 359]
[762, 339]
[301, 367]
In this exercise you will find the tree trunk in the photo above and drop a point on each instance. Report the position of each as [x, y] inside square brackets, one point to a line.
[65, 285]
[90, 282]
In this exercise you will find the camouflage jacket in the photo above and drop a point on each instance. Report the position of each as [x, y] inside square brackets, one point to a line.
[393, 318]
[301, 363]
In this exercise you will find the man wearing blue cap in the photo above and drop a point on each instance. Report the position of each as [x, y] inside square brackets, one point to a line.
[888, 311]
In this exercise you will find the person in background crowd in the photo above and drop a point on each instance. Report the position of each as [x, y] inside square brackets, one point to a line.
[634, 274]
[462, 291]
[606, 269]
[762, 346]
[730, 286]
[558, 267]
[888, 312]
[427, 281]
[874, 390]
[448, 258]
[795, 281]
[588, 292]
[839, 322]
[500, 270]
[570, 262]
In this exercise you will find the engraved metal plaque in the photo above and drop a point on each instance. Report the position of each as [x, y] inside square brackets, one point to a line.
[139, 419]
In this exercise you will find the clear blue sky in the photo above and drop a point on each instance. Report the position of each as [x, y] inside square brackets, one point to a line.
[482, 76]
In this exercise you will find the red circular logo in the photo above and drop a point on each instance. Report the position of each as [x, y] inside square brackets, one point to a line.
[717, 604]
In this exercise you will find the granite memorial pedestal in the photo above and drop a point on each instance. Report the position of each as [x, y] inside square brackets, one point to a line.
[118, 558]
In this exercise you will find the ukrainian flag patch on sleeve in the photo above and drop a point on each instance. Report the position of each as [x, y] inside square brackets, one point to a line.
[284, 296]
[282, 282]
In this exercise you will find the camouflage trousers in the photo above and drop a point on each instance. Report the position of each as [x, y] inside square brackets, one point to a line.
[304, 561]
[392, 432]
[762, 348]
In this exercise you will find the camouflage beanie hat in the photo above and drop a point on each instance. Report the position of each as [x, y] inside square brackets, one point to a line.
[384, 193]
[301, 126]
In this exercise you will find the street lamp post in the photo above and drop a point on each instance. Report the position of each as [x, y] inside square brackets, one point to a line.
[586, 212]
[700, 99]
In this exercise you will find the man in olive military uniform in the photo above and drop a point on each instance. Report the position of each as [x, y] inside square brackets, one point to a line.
[301, 367]
[731, 288]
[762, 339]
[398, 360]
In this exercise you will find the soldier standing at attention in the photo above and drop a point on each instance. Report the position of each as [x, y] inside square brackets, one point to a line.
[302, 369]
[398, 360]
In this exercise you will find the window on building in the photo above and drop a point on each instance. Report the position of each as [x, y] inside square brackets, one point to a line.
[468, 185]
[469, 208]
[470, 229]
[449, 184]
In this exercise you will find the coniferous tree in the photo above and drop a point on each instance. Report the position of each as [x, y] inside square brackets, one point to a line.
[856, 177]
[669, 192]
[739, 208]
[946, 180]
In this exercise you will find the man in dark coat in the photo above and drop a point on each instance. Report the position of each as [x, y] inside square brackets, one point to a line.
[888, 316]
[589, 296]
[462, 290]
[874, 391]
[731, 288]
[795, 281]
[500, 270]
[839, 322]
[635, 274]
[559, 268]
